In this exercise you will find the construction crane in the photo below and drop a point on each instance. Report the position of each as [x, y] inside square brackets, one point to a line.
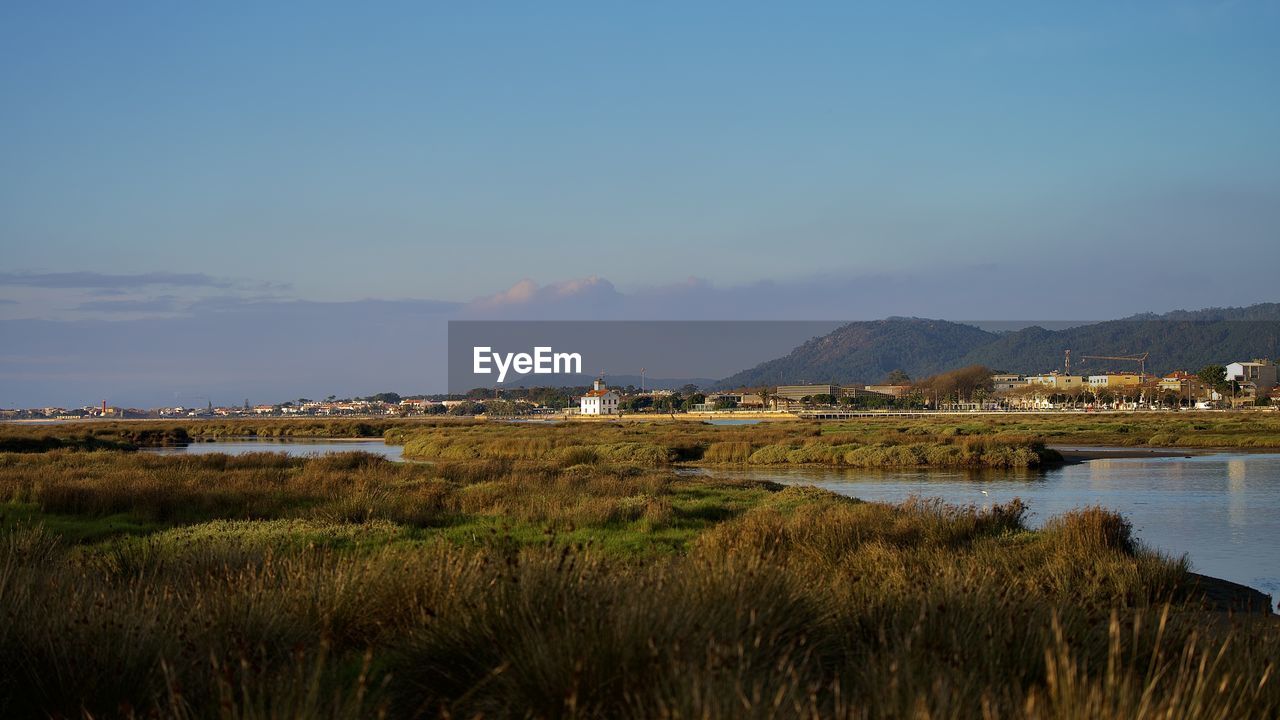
[1141, 359]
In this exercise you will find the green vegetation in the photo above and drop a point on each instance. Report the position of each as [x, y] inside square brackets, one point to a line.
[96, 436]
[655, 444]
[130, 435]
[567, 572]
[1192, 429]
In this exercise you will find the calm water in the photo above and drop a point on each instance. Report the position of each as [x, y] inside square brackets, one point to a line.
[299, 447]
[1222, 511]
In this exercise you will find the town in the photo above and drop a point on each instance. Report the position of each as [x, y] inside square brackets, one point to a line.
[1236, 385]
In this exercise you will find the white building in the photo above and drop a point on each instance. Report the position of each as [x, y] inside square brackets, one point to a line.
[1255, 378]
[1058, 381]
[599, 400]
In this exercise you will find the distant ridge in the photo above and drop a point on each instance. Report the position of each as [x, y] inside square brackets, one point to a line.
[1259, 312]
[868, 351]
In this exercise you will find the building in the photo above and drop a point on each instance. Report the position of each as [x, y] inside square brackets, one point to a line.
[1005, 382]
[599, 400]
[864, 391]
[1058, 381]
[1115, 380]
[416, 405]
[896, 391]
[799, 392]
[736, 398]
[1185, 385]
[1256, 378]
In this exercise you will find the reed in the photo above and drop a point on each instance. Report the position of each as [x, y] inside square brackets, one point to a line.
[574, 573]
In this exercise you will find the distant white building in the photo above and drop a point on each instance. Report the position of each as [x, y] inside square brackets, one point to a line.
[599, 400]
[1256, 378]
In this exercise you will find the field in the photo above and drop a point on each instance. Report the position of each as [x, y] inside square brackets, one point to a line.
[684, 441]
[1167, 429]
[571, 571]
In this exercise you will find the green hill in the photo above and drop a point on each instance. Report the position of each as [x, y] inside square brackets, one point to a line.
[868, 351]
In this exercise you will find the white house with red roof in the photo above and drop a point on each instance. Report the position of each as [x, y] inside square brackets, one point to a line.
[599, 400]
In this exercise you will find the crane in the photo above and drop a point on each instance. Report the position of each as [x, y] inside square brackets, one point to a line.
[1141, 359]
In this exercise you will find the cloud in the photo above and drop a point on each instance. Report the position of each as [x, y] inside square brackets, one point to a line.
[591, 296]
[162, 304]
[6, 301]
[70, 280]
[527, 292]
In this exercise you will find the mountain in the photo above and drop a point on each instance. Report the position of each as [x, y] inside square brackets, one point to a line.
[868, 351]
[1259, 312]
[1170, 345]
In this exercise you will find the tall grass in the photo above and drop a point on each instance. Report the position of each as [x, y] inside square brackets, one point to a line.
[657, 444]
[133, 434]
[804, 607]
[574, 575]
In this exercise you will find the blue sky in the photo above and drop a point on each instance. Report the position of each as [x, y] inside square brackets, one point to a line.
[830, 160]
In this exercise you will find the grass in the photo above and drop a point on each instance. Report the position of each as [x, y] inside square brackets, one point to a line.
[133, 434]
[571, 572]
[661, 444]
[1183, 429]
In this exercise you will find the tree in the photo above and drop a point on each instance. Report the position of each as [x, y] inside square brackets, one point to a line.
[897, 377]
[725, 403]
[957, 384]
[466, 408]
[1214, 376]
[386, 397]
[765, 393]
[636, 403]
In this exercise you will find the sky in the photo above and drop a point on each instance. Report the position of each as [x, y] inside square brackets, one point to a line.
[234, 164]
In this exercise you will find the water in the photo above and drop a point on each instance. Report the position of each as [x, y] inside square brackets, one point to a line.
[1221, 510]
[733, 421]
[296, 447]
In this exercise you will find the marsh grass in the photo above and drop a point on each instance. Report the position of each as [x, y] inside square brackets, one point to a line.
[134, 434]
[804, 606]
[661, 444]
[1182, 429]
[545, 576]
